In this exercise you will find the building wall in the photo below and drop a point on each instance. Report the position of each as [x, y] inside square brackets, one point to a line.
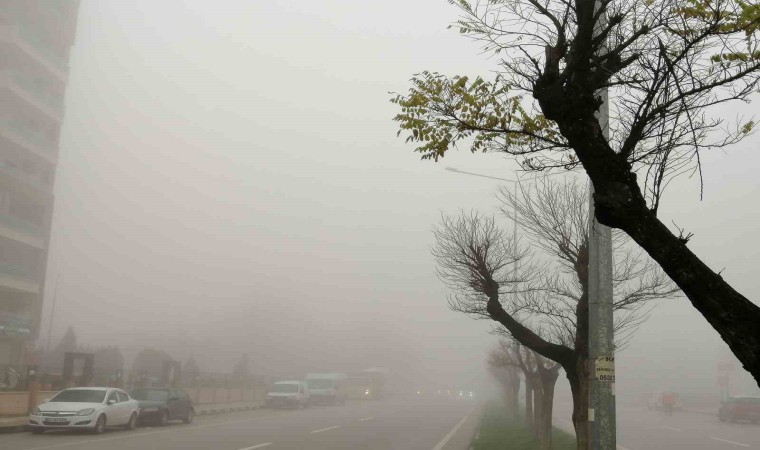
[35, 41]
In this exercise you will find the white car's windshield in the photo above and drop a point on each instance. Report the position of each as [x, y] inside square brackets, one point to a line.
[80, 396]
[320, 384]
[284, 388]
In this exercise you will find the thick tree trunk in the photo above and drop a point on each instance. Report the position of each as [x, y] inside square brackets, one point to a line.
[619, 203]
[579, 385]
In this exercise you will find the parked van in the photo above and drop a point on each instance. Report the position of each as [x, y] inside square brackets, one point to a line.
[326, 388]
[291, 393]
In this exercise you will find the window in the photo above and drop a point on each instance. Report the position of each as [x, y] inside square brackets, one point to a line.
[122, 396]
[112, 397]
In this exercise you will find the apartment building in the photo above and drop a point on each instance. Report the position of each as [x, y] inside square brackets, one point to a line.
[35, 41]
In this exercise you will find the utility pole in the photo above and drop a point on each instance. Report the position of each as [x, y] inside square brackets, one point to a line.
[601, 346]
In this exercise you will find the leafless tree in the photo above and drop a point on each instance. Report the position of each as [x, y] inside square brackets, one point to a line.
[545, 310]
[504, 367]
[662, 67]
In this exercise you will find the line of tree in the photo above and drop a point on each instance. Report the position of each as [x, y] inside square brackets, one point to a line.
[660, 68]
[538, 294]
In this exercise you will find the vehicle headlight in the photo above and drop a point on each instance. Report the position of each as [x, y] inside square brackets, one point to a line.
[35, 412]
[366, 392]
[86, 412]
[151, 409]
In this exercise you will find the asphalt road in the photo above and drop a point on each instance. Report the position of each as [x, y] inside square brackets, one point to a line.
[440, 424]
[641, 429]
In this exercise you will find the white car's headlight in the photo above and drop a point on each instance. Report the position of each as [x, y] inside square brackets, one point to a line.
[85, 412]
[35, 412]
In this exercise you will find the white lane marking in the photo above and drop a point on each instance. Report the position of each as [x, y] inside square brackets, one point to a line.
[366, 419]
[730, 442]
[325, 429]
[670, 428]
[451, 433]
[620, 447]
[133, 435]
[257, 446]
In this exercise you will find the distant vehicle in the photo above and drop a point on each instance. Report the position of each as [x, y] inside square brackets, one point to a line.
[378, 378]
[655, 402]
[326, 388]
[737, 408]
[91, 408]
[294, 394]
[160, 405]
[358, 388]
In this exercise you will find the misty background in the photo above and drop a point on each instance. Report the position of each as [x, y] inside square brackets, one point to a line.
[230, 182]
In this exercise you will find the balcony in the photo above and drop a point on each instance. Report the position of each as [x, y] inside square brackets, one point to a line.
[18, 278]
[24, 177]
[20, 230]
[22, 225]
[34, 93]
[37, 48]
[29, 138]
[15, 325]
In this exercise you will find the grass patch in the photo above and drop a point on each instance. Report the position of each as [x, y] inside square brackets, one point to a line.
[498, 431]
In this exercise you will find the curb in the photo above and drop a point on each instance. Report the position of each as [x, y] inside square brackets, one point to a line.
[210, 412]
[706, 413]
[13, 429]
[207, 412]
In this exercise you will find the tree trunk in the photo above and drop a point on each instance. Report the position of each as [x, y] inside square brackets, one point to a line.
[512, 392]
[579, 386]
[547, 410]
[528, 403]
[538, 410]
[515, 393]
[619, 203]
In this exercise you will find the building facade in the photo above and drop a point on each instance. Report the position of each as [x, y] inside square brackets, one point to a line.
[35, 40]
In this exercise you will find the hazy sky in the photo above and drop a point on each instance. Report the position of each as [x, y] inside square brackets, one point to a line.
[230, 181]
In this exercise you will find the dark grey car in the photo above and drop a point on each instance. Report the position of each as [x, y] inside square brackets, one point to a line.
[160, 405]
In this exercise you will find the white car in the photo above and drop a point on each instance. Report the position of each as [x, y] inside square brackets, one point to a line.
[89, 408]
[293, 394]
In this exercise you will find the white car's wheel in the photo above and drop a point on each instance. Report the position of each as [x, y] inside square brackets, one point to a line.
[132, 424]
[100, 425]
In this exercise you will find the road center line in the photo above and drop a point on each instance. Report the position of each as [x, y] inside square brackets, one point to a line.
[325, 429]
[451, 433]
[366, 419]
[729, 442]
[257, 446]
[670, 428]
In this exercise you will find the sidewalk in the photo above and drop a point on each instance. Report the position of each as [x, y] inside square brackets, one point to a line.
[18, 424]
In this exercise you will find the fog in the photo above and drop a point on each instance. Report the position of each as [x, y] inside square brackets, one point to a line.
[231, 182]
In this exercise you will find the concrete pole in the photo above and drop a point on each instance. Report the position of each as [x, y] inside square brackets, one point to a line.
[601, 351]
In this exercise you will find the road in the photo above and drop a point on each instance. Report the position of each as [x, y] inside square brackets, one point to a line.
[641, 429]
[373, 425]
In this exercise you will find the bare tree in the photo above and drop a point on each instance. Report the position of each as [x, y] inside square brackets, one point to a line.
[548, 312]
[665, 65]
[504, 367]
